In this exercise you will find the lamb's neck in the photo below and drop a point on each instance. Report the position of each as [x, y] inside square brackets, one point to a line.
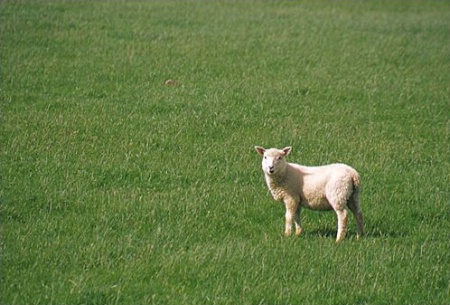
[274, 181]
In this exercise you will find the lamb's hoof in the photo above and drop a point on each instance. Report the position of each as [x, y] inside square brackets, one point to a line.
[338, 240]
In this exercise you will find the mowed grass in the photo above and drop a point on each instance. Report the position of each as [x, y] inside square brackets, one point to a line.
[119, 189]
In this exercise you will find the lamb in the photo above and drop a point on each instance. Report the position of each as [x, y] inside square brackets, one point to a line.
[329, 187]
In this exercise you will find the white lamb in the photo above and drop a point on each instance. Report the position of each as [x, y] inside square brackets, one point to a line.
[328, 187]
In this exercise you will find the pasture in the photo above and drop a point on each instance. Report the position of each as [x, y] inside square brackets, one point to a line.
[117, 188]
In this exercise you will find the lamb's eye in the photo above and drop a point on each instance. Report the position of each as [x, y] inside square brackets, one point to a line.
[280, 157]
[265, 157]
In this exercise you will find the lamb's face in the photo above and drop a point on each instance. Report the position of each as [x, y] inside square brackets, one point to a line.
[273, 161]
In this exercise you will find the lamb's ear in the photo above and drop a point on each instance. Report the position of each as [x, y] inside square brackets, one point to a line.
[260, 150]
[287, 150]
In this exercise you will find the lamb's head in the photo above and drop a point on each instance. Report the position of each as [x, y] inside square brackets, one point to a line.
[273, 159]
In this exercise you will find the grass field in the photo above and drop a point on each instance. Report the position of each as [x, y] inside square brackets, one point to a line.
[119, 189]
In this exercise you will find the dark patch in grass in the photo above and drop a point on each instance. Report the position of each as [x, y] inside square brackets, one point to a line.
[369, 233]
[96, 297]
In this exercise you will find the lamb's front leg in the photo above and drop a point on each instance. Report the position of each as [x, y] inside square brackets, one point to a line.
[292, 212]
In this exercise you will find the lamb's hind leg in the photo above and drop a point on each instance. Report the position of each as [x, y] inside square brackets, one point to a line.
[342, 224]
[336, 193]
[354, 206]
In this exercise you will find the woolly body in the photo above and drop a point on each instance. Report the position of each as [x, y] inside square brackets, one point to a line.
[329, 187]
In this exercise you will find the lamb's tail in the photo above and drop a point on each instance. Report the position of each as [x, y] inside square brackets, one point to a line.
[356, 181]
[354, 196]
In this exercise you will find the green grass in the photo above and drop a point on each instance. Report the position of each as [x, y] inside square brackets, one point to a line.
[117, 189]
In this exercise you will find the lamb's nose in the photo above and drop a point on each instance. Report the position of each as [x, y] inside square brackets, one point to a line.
[271, 169]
